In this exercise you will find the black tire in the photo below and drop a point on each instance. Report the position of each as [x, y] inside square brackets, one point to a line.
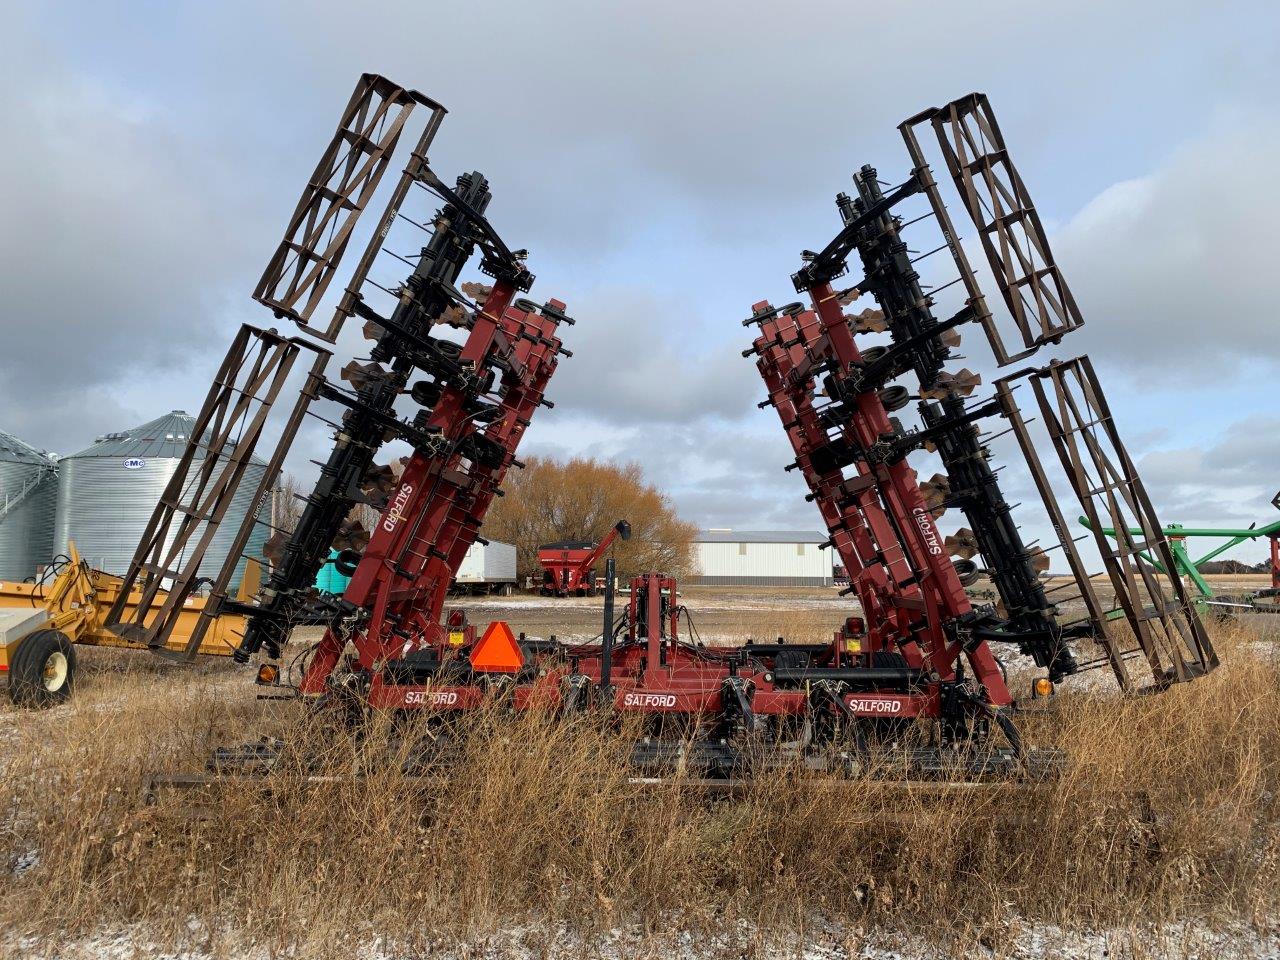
[967, 571]
[895, 398]
[1224, 614]
[889, 658]
[43, 670]
[346, 562]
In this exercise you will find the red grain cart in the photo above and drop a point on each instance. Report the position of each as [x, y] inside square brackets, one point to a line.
[569, 565]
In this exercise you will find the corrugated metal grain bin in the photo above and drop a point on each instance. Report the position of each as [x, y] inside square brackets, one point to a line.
[106, 494]
[28, 498]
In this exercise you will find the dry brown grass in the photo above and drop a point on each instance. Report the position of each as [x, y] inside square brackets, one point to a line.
[765, 626]
[1168, 811]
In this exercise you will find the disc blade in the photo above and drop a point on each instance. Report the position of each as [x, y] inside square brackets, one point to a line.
[938, 390]
[351, 536]
[361, 375]
[273, 548]
[457, 316]
[1039, 560]
[966, 381]
[870, 320]
[379, 479]
[360, 538]
[961, 544]
[936, 489]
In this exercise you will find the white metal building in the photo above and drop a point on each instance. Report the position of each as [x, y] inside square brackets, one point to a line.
[782, 558]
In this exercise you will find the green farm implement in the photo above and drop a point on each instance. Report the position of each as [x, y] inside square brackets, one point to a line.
[1262, 601]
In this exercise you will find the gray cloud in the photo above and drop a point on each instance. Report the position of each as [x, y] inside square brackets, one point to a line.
[634, 363]
[664, 169]
[118, 239]
[596, 120]
[718, 473]
[1175, 269]
[1228, 481]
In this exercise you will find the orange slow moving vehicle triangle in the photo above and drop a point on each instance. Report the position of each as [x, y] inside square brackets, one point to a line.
[497, 651]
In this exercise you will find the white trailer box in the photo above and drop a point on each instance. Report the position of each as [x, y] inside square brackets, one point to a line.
[488, 568]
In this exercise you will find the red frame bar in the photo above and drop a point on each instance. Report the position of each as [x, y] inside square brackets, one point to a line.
[436, 511]
[878, 519]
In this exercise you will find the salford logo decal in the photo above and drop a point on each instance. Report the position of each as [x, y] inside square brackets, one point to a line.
[649, 700]
[925, 523]
[876, 706]
[433, 698]
[396, 513]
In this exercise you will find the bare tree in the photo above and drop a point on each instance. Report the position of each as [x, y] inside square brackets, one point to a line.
[581, 499]
[286, 508]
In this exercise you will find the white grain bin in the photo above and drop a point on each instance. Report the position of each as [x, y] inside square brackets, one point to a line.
[106, 494]
[28, 498]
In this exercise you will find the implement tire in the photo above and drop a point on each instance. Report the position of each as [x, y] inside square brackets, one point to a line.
[43, 670]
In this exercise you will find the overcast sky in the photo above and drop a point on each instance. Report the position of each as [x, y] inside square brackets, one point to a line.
[664, 167]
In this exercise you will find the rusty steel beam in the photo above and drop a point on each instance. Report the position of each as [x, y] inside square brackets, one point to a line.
[1095, 611]
[344, 180]
[196, 500]
[999, 204]
[1104, 479]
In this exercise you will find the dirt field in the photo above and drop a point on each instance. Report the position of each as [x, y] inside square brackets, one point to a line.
[1163, 839]
[720, 614]
[733, 614]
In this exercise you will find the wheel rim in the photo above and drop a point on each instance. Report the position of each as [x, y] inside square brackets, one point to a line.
[55, 672]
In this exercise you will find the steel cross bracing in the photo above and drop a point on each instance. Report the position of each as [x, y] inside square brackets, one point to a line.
[439, 504]
[343, 182]
[1152, 597]
[1041, 306]
[166, 565]
[403, 340]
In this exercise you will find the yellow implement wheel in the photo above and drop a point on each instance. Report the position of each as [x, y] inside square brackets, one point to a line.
[42, 671]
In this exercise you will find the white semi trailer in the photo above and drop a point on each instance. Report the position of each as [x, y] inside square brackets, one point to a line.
[487, 568]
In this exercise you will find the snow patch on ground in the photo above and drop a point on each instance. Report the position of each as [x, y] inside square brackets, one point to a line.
[734, 602]
[27, 860]
[822, 941]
